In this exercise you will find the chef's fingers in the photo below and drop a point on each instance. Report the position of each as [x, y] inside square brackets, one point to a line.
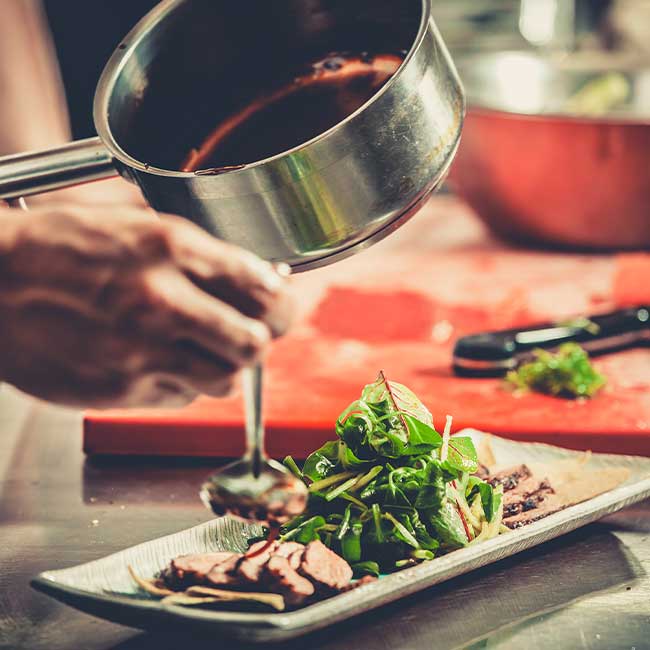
[234, 275]
[191, 367]
[158, 391]
[183, 312]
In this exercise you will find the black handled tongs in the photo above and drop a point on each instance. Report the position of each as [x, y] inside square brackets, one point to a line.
[494, 353]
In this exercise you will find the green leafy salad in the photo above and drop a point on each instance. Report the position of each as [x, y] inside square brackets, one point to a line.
[391, 491]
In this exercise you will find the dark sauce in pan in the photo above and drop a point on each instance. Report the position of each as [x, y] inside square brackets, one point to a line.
[316, 100]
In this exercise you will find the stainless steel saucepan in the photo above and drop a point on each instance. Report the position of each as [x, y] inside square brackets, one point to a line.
[189, 63]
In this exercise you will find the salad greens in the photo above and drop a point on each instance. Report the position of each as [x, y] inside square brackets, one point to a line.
[566, 373]
[391, 491]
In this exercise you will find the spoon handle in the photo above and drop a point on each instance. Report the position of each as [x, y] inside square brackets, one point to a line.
[252, 379]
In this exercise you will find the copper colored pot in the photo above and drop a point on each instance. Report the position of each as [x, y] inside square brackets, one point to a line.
[538, 174]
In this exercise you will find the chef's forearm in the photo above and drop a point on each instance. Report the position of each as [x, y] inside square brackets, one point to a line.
[33, 113]
[9, 228]
[9, 225]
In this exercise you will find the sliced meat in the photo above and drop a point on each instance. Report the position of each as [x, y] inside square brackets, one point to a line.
[528, 487]
[291, 569]
[287, 581]
[262, 546]
[192, 569]
[324, 567]
[514, 507]
[528, 495]
[359, 583]
[287, 549]
[510, 478]
[250, 568]
[295, 559]
[550, 504]
[224, 573]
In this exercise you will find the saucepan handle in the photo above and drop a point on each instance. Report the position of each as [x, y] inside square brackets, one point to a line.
[38, 172]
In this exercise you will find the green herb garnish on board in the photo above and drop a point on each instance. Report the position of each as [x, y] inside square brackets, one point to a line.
[565, 373]
[391, 491]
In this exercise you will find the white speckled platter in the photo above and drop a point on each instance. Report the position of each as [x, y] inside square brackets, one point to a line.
[104, 588]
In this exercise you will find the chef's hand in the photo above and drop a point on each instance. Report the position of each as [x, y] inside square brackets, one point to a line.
[104, 307]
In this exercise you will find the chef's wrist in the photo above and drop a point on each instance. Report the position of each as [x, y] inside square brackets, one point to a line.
[9, 229]
[10, 225]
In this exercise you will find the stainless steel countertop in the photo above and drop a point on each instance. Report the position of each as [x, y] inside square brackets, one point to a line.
[588, 590]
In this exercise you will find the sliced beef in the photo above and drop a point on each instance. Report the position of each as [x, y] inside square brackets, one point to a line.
[224, 573]
[528, 487]
[324, 567]
[287, 549]
[547, 506]
[359, 583]
[250, 568]
[291, 569]
[510, 478]
[526, 498]
[260, 548]
[287, 581]
[515, 506]
[528, 495]
[193, 569]
[295, 558]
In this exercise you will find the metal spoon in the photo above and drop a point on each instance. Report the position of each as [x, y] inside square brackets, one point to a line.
[254, 487]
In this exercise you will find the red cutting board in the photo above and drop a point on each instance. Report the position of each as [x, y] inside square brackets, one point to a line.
[399, 307]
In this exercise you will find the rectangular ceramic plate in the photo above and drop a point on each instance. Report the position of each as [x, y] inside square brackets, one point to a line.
[104, 588]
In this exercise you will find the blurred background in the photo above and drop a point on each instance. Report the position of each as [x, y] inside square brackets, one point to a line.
[556, 146]
[484, 25]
